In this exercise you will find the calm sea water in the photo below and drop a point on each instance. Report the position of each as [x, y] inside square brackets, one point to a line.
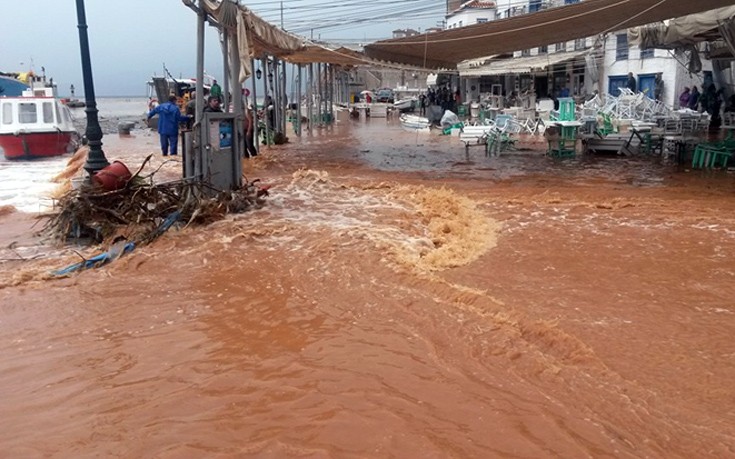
[26, 184]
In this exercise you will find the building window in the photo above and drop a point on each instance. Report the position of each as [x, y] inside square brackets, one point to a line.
[460, 23]
[568, 2]
[481, 20]
[647, 53]
[534, 5]
[580, 43]
[526, 52]
[621, 49]
[543, 49]
[561, 46]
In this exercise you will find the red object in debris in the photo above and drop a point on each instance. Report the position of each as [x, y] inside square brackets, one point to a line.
[113, 177]
[263, 191]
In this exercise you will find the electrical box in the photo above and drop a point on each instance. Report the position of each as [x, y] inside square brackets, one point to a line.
[216, 158]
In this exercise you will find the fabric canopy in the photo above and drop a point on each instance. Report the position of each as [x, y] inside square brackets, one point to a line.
[521, 65]
[255, 36]
[683, 31]
[579, 20]
[258, 38]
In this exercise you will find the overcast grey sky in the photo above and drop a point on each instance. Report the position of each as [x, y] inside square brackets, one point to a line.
[131, 40]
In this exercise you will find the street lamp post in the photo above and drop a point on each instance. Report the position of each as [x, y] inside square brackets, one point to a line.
[96, 157]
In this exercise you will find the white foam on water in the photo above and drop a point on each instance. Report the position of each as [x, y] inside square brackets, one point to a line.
[26, 185]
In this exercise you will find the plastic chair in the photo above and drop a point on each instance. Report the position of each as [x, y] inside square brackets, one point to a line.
[567, 110]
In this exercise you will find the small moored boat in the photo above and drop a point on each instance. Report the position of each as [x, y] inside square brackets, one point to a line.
[406, 104]
[35, 125]
[415, 123]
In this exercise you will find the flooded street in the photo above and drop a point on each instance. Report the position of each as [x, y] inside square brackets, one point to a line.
[393, 298]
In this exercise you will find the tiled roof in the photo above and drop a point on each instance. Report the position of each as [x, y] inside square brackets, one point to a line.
[480, 4]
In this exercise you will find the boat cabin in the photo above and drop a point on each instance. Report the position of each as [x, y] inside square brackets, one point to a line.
[35, 124]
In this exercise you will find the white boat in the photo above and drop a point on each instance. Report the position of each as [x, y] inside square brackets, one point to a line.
[36, 124]
[415, 123]
[406, 104]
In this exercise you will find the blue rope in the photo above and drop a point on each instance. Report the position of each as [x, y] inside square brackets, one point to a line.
[106, 257]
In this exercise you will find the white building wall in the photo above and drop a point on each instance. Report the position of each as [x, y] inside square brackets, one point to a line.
[674, 73]
[470, 16]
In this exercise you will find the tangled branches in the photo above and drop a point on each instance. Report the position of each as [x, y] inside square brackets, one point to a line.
[141, 206]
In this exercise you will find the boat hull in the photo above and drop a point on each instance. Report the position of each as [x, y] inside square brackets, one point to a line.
[37, 144]
[415, 123]
[405, 105]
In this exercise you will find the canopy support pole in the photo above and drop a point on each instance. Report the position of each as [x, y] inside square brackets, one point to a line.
[201, 18]
[266, 113]
[255, 108]
[310, 98]
[298, 105]
[226, 70]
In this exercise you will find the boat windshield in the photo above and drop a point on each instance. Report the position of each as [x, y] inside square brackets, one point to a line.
[48, 113]
[7, 113]
[27, 113]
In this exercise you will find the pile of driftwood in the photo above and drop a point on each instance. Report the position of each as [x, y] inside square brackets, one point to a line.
[139, 208]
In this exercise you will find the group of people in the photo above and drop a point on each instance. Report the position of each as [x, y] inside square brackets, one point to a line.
[442, 97]
[710, 100]
[170, 117]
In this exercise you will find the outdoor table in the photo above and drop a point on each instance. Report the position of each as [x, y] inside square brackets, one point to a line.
[681, 142]
[568, 134]
[641, 130]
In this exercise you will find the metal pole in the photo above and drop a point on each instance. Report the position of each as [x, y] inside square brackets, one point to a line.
[331, 93]
[298, 105]
[255, 107]
[285, 98]
[319, 91]
[309, 97]
[264, 64]
[199, 106]
[276, 88]
[238, 140]
[226, 70]
[96, 159]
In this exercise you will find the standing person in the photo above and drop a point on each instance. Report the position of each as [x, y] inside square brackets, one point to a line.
[191, 108]
[169, 117]
[658, 89]
[694, 99]
[215, 90]
[249, 130]
[213, 105]
[631, 83]
[714, 105]
[684, 98]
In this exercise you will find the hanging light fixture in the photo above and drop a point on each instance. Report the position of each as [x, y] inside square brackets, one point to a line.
[258, 74]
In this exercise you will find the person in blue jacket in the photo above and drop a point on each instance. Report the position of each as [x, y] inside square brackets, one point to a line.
[169, 117]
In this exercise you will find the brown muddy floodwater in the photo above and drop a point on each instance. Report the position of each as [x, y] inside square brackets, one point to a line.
[393, 299]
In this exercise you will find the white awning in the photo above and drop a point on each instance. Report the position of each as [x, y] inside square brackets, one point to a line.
[520, 65]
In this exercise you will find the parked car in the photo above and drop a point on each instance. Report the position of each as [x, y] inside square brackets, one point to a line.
[385, 95]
